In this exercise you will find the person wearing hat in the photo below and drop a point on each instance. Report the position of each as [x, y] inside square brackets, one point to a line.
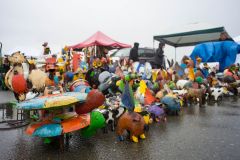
[46, 49]
[6, 64]
[134, 53]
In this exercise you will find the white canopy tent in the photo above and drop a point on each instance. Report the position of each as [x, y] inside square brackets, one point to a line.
[190, 35]
[237, 39]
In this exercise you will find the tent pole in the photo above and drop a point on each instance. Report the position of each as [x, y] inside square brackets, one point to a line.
[175, 54]
[0, 49]
[95, 51]
[153, 44]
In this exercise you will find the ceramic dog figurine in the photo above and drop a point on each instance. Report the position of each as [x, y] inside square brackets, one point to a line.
[194, 94]
[217, 92]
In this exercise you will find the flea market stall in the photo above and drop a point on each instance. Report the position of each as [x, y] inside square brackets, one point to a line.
[190, 35]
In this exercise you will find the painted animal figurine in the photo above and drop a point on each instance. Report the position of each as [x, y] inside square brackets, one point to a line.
[94, 72]
[232, 87]
[133, 123]
[190, 67]
[172, 104]
[97, 121]
[194, 94]
[217, 92]
[113, 102]
[181, 84]
[143, 70]
[198, 73]
[111, 116]
[108, 83]
[21, 79]
[143, 111]
[153, 86]
[94, 99]
[157, 113]
[80, 85]
[181, 92]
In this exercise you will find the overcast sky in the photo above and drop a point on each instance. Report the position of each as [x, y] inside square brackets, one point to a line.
[26, 24]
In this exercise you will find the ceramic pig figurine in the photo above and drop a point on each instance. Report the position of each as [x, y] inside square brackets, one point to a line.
[133, 123]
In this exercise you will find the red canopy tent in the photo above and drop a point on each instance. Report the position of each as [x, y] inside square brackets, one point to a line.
[100, 39]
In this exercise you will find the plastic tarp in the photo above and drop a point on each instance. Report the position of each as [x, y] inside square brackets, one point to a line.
[224, 52]
[190, 34]
[100, 39]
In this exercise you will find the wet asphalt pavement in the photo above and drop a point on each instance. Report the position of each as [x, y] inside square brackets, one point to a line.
[211, 132]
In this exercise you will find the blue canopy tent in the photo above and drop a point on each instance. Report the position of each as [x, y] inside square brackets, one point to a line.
[190, 35]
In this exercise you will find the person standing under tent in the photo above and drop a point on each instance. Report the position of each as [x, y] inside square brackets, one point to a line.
[134, 53]
[6, 64]
[225, 37]
[159, 56]
[46, 49]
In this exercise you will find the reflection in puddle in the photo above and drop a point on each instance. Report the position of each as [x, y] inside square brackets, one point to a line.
[7, 112]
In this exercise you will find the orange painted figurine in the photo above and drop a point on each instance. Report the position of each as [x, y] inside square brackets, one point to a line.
[133, 123]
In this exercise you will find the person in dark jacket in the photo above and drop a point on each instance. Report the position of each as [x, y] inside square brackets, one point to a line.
[46, 49]
[225, 37]
[159, 56]
[134, 52]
